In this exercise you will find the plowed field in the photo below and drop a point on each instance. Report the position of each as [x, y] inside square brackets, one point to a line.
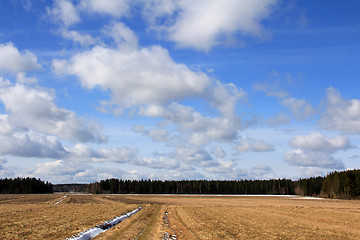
[179, 217]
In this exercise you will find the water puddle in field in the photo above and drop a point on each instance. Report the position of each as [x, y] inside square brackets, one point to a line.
[93, 232]
[168, 235]
[61, 200]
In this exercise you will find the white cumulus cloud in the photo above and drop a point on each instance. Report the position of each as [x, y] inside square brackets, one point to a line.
[221, 167]
[318, 142]
[158, 135]
[114, 8]
[315, 150]
[161, 162]
[34, 108]
[121, 34]
[81, 38]
[192, 155]
[11, 60]
[254, 145]
[150, 83]
[342, 115]
[22, 78]
[31, 144]
[299, 157]
[65, 12]
[134, 76]
[257, 172]
[61, 171]
[195, 127]
[300, 108]
[203, 24]
[83, 152]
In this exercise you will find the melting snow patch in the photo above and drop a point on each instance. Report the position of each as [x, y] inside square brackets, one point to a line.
[311, 198]
[93, 232]
[61, 200]
[167, 235]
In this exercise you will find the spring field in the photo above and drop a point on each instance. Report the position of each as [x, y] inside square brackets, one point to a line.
[179, 217]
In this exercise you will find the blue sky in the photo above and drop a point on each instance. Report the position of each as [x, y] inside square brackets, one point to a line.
[164, 89]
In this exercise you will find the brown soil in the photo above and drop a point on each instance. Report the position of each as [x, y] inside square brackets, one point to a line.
[186, 217]
[45, 220]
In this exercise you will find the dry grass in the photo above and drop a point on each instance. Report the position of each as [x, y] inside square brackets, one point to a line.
[189, 217]
[143, 225]
[44, 220]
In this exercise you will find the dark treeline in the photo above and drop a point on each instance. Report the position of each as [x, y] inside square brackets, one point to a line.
[71, 187]
[309, 186]
[116, 186]
[24, 186]
[344, 185]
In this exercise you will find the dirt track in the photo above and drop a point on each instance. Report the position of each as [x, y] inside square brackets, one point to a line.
[180, 217]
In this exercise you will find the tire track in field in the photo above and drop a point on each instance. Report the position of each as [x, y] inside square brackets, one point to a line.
[173, 227]
[199, 222]
[185, 231]
[168, 232]
[144, 225]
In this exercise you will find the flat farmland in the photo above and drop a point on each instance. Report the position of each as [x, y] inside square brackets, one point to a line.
[179, 217]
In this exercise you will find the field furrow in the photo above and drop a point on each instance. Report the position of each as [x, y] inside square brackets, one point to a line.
[143, 225]
[45, 220]
[179, 217]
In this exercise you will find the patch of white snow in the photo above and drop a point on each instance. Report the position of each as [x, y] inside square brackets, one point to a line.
[61, 200]
[93, 232]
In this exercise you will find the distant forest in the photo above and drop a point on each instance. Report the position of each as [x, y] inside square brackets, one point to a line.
[71, 187]
[344, 185]
[24, 186]
[117, 186]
